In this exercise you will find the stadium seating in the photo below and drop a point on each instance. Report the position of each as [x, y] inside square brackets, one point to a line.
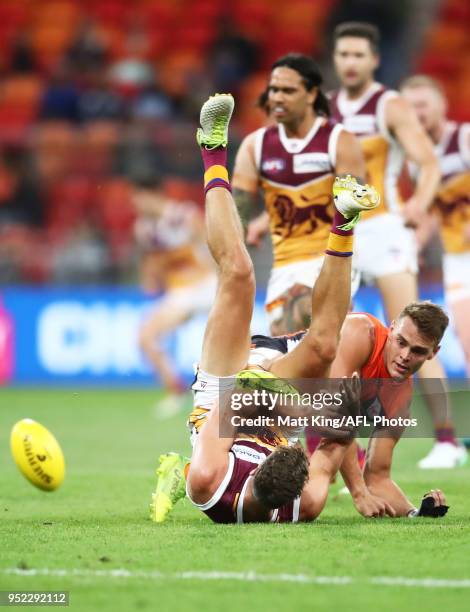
[174, 38]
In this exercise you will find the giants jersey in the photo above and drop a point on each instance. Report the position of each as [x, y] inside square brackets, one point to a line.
[296, 176]
[453, 198]
[384, 157]
[226, 506]
[382, 395]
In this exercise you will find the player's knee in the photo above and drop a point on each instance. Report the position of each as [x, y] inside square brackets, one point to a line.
[238, 268]
[146, 341]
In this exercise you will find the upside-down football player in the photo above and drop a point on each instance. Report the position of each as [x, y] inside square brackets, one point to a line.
[221, 481]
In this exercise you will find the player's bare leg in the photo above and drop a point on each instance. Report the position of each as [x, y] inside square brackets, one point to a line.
[227, 335]
[460, 310]
[161, 321]
[397, 291]
[226, 341]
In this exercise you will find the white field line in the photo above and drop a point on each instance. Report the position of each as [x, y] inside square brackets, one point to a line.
[394, 581]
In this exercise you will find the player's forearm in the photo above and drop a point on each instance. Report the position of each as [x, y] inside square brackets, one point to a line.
[246, 202]
[428, 183]
[387, 489]
[327, 459]
[352, 473]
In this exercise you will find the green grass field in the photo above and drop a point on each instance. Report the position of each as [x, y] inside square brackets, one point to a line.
[76, 538]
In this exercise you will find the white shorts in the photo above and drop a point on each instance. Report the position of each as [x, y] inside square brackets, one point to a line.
[196, 298]
[206, 390]
[382, 246]
[456, 267]
[301, 272]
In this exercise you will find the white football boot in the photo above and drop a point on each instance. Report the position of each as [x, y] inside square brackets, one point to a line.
[444, 455]
[351, 198]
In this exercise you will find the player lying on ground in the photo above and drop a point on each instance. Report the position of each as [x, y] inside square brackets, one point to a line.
[239, 479]
[386, 359]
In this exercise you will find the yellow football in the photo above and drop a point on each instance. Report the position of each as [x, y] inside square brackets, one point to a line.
[37, 454]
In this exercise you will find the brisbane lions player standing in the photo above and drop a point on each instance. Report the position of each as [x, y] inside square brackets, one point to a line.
[389, 132]
[294, 163]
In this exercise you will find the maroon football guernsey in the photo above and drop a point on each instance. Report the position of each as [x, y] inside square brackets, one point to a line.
[296, 176]
[384, 157]
[453, 198]
[226, 506]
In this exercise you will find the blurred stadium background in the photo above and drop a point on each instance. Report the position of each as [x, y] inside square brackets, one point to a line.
[93, 90]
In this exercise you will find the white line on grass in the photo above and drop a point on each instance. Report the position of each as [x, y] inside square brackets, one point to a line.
[394, 581]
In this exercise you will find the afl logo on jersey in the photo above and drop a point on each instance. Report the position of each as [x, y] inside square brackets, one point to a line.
[273, 165]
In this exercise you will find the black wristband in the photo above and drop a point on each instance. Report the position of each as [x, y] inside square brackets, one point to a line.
[429, 508]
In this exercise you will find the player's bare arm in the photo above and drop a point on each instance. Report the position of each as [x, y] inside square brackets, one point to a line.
[367, 504]
[403, 123]
[210, 459]
[377, 475]
[245, 179]
[349, 157]
[355, 347]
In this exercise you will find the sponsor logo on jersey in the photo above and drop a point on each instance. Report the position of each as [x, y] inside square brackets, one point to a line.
[311, 162]
[273, 165]
[360, 124]
[247, 454]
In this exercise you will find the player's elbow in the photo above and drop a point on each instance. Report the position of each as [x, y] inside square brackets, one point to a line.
[146, 340]
[201, 481]
[311, 506]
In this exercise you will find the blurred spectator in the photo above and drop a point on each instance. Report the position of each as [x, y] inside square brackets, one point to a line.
[22, 54]
[84, 259]
[233, 57]
[21, 216]
[133, 72]
[99, 101]
[60, 99]
[88, 50]
[139, 151]
[21, 198]
[151, 104]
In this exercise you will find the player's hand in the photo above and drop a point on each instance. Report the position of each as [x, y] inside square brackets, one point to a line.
[257, 229]
[371, 506]
[433, 504]
[412, 213]
[350, 389]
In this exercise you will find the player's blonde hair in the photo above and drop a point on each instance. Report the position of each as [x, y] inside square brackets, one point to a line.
[422, 80]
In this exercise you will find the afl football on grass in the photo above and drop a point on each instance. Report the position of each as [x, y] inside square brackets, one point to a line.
[37, 454]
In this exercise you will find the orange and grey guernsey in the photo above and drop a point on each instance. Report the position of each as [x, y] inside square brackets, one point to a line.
[296, 176]
[453, 198]
[384, 156]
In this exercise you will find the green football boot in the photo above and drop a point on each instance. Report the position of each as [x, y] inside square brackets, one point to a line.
[171, 485]
[214, 119]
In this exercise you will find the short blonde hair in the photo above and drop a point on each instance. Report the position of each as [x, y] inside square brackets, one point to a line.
[422, 80]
